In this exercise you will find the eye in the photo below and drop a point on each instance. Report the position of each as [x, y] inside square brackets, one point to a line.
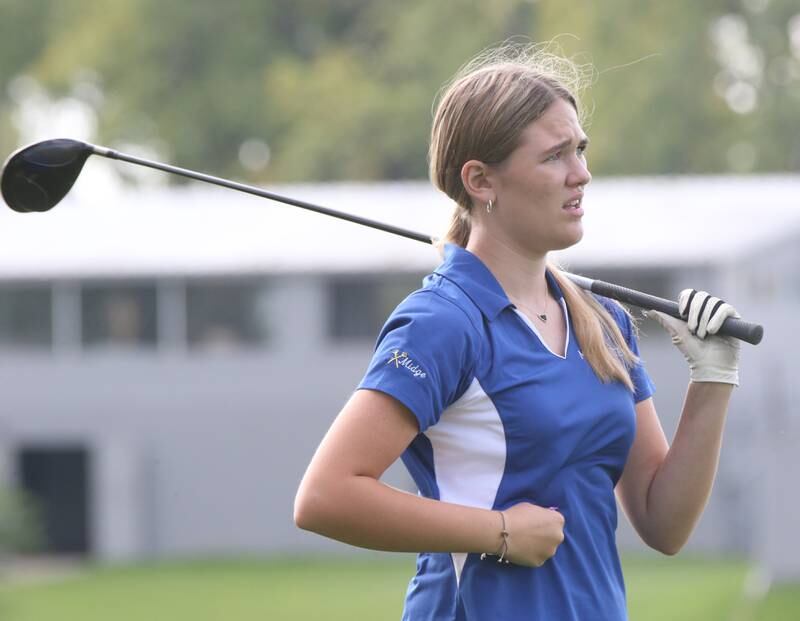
[553, 157]
[582, 149]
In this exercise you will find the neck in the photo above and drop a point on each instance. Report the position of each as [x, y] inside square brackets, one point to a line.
[521, 275]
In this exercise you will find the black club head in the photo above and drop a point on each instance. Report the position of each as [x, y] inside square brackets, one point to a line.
[38, 176]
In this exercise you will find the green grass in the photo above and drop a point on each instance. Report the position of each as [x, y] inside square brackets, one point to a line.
[783, 603]
[365, 588]
[219, 590]
[668, 589]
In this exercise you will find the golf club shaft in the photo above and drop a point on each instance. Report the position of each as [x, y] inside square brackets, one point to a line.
[743, 330]
[249, 189]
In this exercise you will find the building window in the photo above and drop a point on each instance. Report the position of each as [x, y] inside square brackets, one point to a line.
[359, 306]
[222, 315]
[26, 315]
[119, 314]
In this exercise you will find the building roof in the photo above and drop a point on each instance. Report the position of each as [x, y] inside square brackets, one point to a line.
[200, 229]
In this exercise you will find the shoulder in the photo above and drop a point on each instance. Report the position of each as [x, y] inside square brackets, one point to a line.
[437, 317]
[441, 305]
[426, 353]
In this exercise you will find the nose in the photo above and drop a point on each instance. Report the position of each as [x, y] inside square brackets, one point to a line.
[579, 174]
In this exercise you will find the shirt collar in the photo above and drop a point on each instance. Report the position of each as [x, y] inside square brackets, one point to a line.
[473, 277]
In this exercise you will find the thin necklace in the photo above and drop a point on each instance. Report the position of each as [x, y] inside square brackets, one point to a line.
[541, 316]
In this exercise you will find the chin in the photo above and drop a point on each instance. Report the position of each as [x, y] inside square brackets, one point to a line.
[568, 240]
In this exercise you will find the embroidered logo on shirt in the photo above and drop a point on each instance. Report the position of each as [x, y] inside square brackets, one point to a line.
[401, 359]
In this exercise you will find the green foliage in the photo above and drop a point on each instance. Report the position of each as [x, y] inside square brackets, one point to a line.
[344, 89]
[20, 524]
[658, 105]
[652, 106]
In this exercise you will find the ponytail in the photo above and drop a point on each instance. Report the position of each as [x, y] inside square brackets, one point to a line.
[600, 338]
[459, 231]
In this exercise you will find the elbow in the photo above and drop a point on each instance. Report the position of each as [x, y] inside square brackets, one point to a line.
[669, 550]
[306, 508]
[312, 506]
[667, 547]
[301, 513]
[664, 539]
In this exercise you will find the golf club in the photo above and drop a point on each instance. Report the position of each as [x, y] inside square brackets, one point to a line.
[37, 177]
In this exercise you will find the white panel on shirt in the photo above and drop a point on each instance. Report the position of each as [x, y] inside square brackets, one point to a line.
[469, 453]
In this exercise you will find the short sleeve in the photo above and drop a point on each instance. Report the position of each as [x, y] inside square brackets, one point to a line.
[642, 384]
[425, 356]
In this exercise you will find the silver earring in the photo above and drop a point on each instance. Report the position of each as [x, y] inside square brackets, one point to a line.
[489, 206]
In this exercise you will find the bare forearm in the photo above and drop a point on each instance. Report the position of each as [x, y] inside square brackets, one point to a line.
[682, 484]
[342, 497]
[364, 512]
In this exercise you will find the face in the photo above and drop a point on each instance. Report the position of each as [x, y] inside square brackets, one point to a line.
[539, 188]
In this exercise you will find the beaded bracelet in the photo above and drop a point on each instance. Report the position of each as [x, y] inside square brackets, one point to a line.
[503, 549]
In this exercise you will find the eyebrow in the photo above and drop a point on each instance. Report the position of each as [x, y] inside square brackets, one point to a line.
[565, 143]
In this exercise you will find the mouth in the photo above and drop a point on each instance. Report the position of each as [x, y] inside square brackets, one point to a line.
[574, 206]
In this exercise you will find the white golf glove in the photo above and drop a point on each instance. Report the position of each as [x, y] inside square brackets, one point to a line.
[711, 358]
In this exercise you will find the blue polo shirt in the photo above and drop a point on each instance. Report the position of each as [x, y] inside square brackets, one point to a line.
[503, 419]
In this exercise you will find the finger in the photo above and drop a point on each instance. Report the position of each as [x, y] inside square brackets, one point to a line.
[719, 316]
[710, 305]
[697, 304]
[684, 300]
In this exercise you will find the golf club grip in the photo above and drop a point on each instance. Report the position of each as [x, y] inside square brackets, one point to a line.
[749, 332]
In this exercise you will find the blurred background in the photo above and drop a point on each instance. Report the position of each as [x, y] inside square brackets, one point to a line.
[171, 354]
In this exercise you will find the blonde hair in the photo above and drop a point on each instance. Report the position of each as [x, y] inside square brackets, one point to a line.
[480, 115]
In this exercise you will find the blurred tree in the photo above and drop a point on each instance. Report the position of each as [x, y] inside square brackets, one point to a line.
[309, 90]
[763, 53]
[687, 87]
[23, 37]
[366, 107]
[21, 529]
[653, 108]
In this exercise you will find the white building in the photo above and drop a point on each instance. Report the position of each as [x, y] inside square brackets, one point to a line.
[170, 359]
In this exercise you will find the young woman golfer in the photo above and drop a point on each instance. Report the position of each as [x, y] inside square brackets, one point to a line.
[516, 400]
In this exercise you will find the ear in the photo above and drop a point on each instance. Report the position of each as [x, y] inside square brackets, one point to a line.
[475, 177]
